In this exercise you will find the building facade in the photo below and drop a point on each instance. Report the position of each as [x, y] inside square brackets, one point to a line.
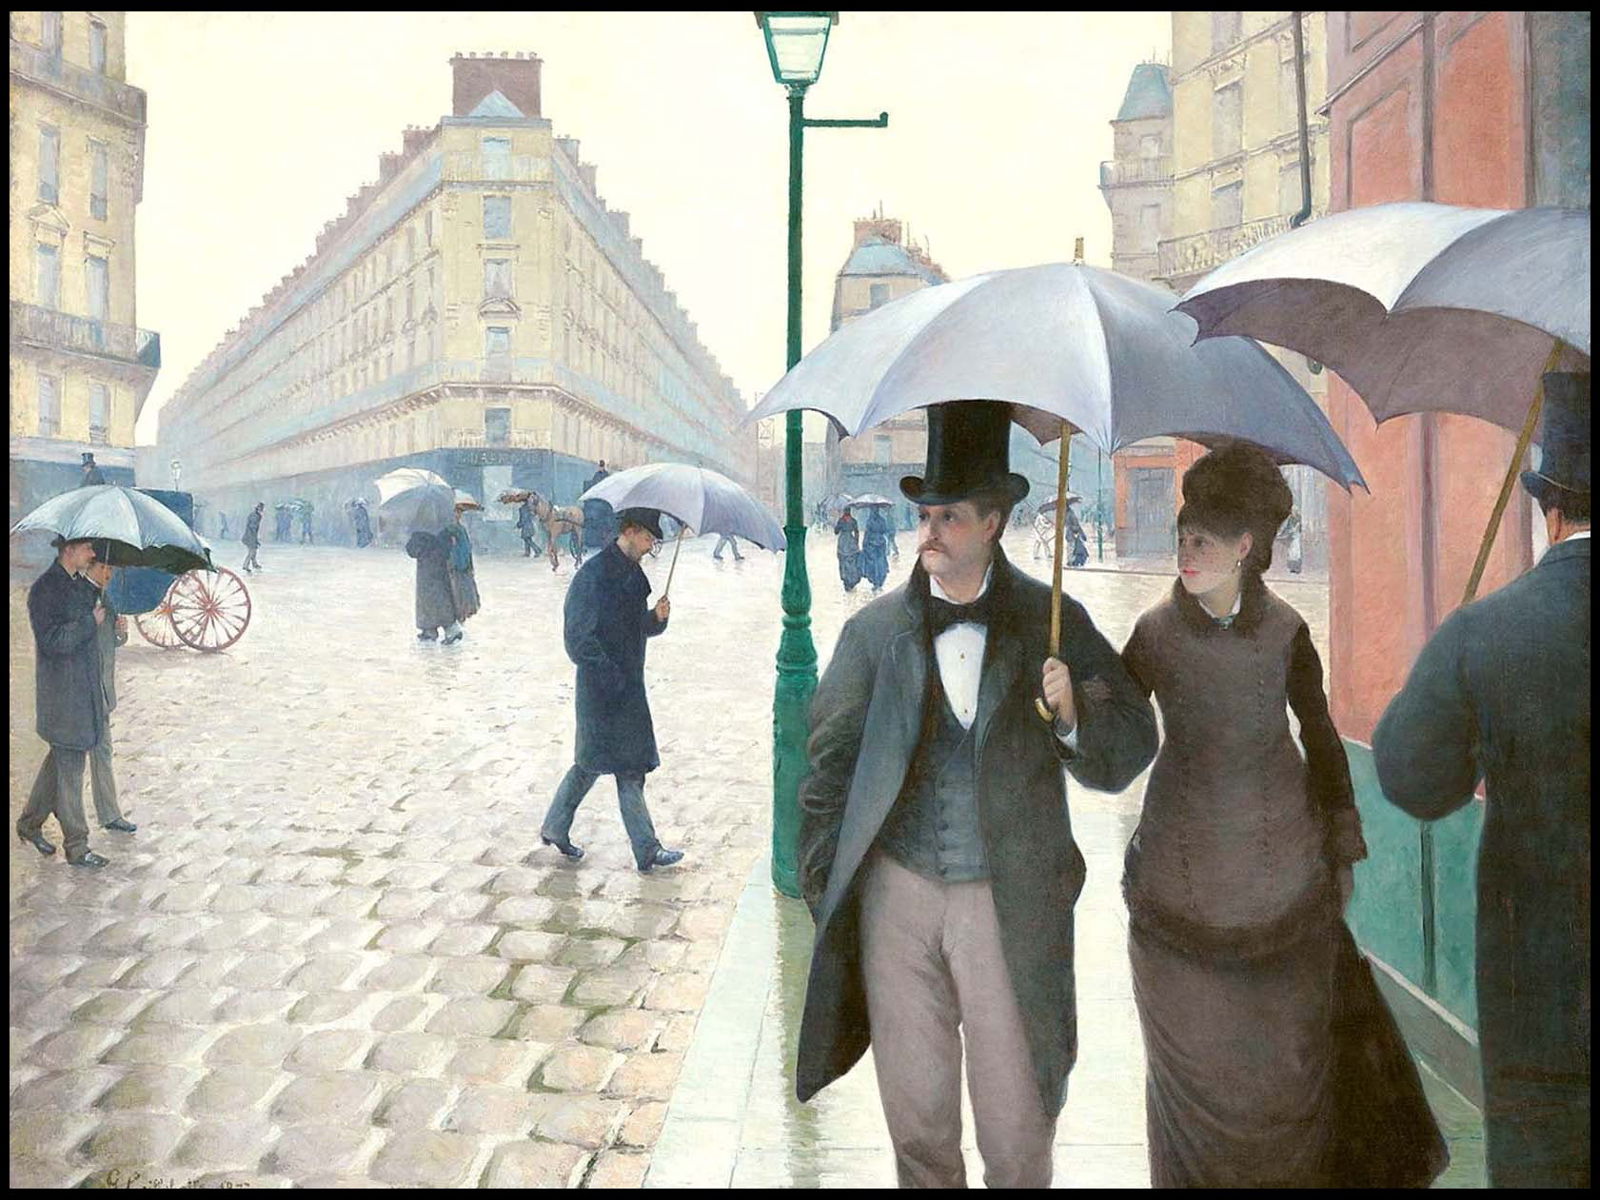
[1137, 181]
[80, 365]
[1487, 109]
[1235, 182]
[477, 311]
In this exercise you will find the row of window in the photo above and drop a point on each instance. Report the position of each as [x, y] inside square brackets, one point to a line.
[50, 171]
[1227, 111]
[49, 396]
[51, 40]
[47, 280]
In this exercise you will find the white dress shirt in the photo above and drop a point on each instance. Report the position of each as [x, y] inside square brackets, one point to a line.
[959, 654]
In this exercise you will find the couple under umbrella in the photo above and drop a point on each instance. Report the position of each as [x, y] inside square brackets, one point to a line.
[446, 588]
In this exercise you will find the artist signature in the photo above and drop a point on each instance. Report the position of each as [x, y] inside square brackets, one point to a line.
[116, 1178]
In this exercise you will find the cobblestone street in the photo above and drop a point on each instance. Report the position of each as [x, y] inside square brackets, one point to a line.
[333, 954]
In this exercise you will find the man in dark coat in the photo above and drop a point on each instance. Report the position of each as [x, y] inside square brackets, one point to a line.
[1500, 694]
[435, 601]
[70, 700]
[936, 849]
[91, 472]
[527, 526]
[113, 632]
[252, 537]
[607, 624]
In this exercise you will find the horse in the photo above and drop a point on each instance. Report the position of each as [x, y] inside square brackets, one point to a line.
[557, 522]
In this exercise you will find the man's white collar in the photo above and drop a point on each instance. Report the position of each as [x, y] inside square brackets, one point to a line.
[936, 590]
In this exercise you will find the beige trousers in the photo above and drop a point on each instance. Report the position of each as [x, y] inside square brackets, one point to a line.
[935, 972]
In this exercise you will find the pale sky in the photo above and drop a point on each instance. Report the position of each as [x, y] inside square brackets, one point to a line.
[262, 123]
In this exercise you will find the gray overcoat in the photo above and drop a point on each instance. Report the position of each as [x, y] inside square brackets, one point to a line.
[876, 680]
[70, 703]
[1501, 694]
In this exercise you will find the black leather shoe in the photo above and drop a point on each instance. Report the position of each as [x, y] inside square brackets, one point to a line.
[425, 636]
[38, 842]
[663, 858]
[121, 825]
[89, 859]
[566, 848]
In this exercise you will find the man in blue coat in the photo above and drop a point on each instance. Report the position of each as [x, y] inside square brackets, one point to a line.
[608, 621]
[1501, 694]
[70, 702]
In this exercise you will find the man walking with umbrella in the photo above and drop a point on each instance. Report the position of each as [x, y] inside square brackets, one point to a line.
[252, 537]
[936, 854]
[113, 632]
[607, 625]
[527, 524]
[1502, 694]
[70, 701]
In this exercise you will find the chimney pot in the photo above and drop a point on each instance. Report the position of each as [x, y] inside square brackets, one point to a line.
[477, 75]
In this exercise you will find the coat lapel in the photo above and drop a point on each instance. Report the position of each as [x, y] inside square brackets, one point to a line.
[1002, 656]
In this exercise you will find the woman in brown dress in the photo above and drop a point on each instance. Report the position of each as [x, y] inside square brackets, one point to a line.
[1237, 874]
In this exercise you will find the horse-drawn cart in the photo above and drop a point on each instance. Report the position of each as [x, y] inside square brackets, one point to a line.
[204, 610]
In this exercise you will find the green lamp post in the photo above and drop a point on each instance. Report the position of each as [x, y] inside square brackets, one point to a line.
[796, 42]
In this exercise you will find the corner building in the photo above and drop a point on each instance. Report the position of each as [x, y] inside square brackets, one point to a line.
[478, 311]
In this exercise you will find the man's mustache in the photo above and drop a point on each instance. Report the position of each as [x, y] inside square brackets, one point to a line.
[930, 546]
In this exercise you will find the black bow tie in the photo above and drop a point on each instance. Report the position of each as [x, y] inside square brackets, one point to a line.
[942, 614]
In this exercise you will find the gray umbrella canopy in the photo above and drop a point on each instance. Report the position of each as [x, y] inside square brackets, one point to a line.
[149, 533]
[1062, 342]
[872, 500]
[704, 500]
[414, 499]
[1419, 307]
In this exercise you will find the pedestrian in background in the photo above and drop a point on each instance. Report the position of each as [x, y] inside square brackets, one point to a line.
[305, 524]
[283, 518]
[435, 600]
[875, 549]
[363, 523]
[849, 550]
[112, 632]
[91, 472]
[727, 539]
[252, 537]
[1501, 694]
[69, 699]
[222, 531]
[1076, 539]
[527, 525]
[463, 583]
[607, 624]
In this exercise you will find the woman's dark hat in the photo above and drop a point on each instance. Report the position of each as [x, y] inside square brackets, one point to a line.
[1564, 461]
[969, 450]
[647, 518]
[88, 459]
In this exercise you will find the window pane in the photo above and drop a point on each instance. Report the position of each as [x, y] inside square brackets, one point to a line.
[497, 216]
[497, 426]
[1227, 206]
[496, 158]
[99, 406]
[99, 174]
[499, 342]
[1226, 29]
[48, 276]
[879, 294]
[496, 278]
[1289, 191]
[97, 47]
[49, 405]
[1227, 120]
[52, 32]
[49, 165]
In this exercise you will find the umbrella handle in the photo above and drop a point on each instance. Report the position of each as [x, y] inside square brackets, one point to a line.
[1523, 440]
[1055, 578]
[670, 570]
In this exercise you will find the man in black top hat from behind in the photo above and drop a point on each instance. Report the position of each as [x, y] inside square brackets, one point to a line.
[607, 623]
[91, 472]
[936, 850]
[1500, 695]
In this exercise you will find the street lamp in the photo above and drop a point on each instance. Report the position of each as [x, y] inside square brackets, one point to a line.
[796, 42]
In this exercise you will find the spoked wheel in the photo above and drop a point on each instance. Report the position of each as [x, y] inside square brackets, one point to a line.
[155, 626]
[209, 611]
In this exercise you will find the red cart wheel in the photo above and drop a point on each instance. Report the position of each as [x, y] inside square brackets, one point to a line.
[209, 611]
[155, 626]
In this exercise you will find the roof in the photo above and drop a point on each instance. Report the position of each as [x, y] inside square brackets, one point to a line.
[495, 104]
[875, 256]
[1149, 93]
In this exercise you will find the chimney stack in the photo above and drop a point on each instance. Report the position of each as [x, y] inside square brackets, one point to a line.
[475, 76]
[886, 228]
[620, 219]
[388, 167]
[413, 138]
[570, 147]
[586, 172]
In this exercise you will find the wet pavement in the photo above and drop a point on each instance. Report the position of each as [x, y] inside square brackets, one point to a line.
[333, 954]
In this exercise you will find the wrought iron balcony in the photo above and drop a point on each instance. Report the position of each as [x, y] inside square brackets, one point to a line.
[84, 335]
[1200, 252]
[1136, 170]
[467, 166]
[52, 71]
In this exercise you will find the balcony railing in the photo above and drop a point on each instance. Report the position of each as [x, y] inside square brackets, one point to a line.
[479, 168]
[1135, 170]
[84, 335]
[1200, 252]
[33, 63]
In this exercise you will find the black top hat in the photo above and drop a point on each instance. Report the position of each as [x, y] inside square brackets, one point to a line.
[969, 450]
[649, 518]
[88, 458]
[1564, 463]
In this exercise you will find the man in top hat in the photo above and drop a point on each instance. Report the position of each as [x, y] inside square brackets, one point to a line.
[252, 537]
[1500, 695]
[607, 622]
[91, 472]
[936, 854]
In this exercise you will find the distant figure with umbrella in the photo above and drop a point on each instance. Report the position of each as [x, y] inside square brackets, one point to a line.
[1080, 542]
[1502, 694]
[1294, 535]
[527, 524]
[283, 520]
[463, 584]
[362, 519]
[252, 537]
[435, 598]
[112, 632]
[875, 548]
[91, 473]
[849, 549]
[421, 501]
[66, 617]
[1237, 877]
[306, 509]
[607, 624]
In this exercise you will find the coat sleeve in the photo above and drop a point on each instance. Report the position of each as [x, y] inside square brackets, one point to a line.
[1426, 745]
[1327, 767]
[838, 721]
[1116, 725]
[582, 634]
[62, 623]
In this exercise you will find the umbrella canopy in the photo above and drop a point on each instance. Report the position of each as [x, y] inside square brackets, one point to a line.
[1050, 504]
[703, 499]
[465, 500]
[1417, 306]
[416, 499]
[871, 500]
[514, 496]
[835, 502]
[149, 533]
[1062, 342]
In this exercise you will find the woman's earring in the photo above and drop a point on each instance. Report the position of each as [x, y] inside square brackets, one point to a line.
[1239, 565]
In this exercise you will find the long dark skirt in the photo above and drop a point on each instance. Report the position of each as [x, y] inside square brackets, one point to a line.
[850, 570]
[464, 593]
[875, 562]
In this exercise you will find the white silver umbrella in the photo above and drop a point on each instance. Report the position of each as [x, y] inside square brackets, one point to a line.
[700, 498]
[125, 515]
[416, 499]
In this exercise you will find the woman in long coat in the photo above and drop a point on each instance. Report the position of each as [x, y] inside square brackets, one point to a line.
[463, 583]
[436, 608]
[1272, 1061]
[875, 549]
[849, 550]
